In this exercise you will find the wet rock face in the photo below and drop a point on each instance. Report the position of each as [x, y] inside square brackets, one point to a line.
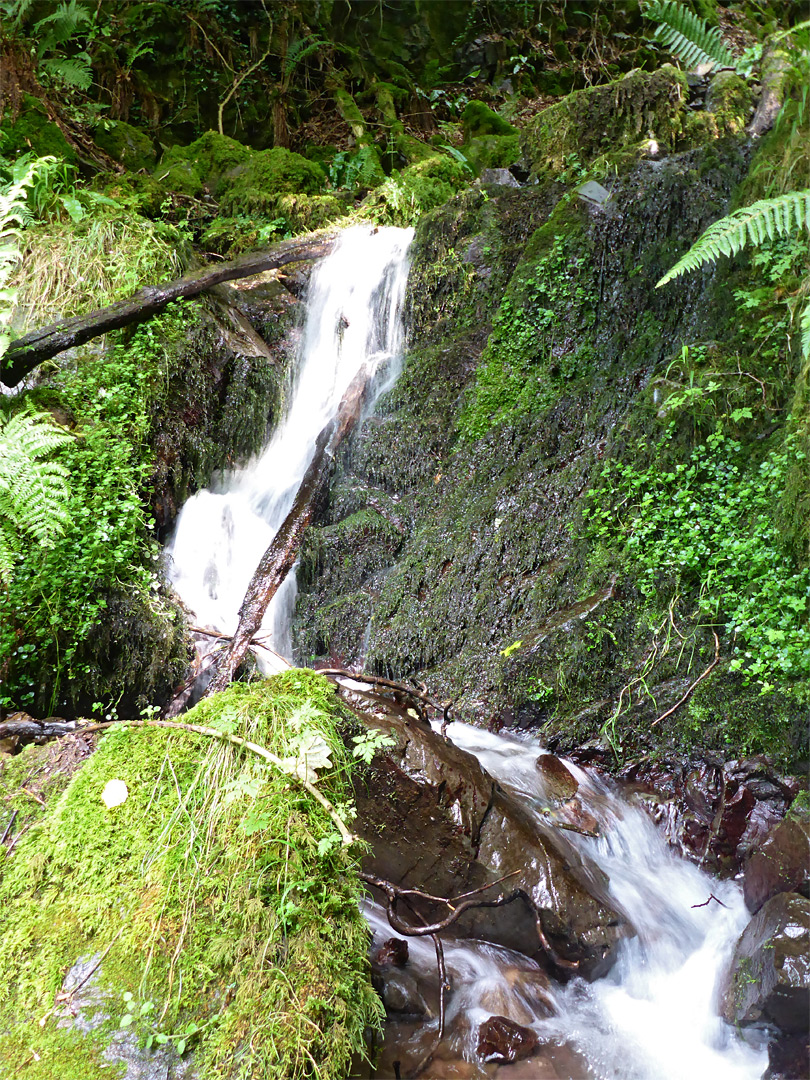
[781, 864]
[502, 1040]
[718, 814]
[559, 783]
[770, 973]
[436, 821]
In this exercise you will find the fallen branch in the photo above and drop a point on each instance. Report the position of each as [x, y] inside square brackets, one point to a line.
[237, 740]
[698, 680]
[280, 556]
[23, 355]
[35, 729]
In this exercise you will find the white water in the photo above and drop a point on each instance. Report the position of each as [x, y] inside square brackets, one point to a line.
[655, 1016]
[352, 321]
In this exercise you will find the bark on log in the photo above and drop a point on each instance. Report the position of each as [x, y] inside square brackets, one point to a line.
[28, 730]
[26, 352]
[280, 556]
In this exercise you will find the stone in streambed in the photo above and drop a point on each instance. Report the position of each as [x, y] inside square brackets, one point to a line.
[502, 1040]
[559, 783]
[392, 953]
[401, 994]
[770, 972]
[781, 864]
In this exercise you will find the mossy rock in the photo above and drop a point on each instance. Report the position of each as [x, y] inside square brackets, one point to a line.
[419, 188]
[203, 164]
[126, 144]
[216, 905]
[602, 119]
[492, 151]
[478, 119]
[254, 186]
[144, 192]
[33, 131]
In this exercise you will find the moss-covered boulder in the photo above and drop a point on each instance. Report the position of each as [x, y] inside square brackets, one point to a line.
[203, 164]
[214, 913]
[421, 187]
[126, 144]
[254, 186]
[33, 130]
[603, 119]
[478, 119]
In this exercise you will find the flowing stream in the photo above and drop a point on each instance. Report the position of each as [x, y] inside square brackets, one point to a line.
[654, 1017]
[352, 320]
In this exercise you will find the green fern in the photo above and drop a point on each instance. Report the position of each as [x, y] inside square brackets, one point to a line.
[754, 224]
[33, 489]
[687, 36]
[763, 220]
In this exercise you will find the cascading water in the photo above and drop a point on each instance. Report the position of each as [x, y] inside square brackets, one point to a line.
[655, 1015]
[352, 320]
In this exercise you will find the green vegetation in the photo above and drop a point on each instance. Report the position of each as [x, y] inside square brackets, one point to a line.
[242, 941]
[33, 489]
[687, 36]
[69, 603]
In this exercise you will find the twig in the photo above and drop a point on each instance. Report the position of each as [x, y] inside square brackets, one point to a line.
[9, 826]
[67, 998]
[237, 740]
[699, 679]
[711, 897]
[229, 637]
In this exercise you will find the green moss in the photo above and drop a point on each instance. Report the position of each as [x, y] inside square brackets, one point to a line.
[33, 131]
[142, 192]
[206, 163]
[421, 187]
[478, 119]
[492, 151]
[255, 186]
[603, 119]
[126, 144]
[244, 924]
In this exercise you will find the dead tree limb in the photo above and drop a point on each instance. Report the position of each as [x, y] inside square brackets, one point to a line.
[26, 352]
[280, 556]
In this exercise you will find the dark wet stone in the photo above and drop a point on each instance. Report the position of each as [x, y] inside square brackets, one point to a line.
[392, 953]
[770, 973]
[788, 1058]
[781, 864]
[502, 1040]
[437, 821]
[559, 783]
[401, 994]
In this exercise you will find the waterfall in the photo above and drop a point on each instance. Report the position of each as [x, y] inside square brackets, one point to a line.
[655, 1015]
[352, 320]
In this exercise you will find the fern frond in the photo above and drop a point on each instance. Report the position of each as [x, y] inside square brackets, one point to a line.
[804, 330]
[33, 489]
[687, 36]
[71, 70]
[754, 224]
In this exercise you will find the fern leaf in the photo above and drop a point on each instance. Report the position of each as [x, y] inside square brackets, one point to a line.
[73, 71]
[33, 489]
[762, 220]
[687, 36]
[804, 329]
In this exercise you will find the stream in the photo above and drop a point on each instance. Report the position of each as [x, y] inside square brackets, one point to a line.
[654, 1016]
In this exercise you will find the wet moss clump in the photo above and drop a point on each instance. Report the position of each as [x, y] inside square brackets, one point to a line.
[255, 185]
[204, 164]
[32, 130]
[218, 899]
[405, 196]
[126, 144]
[603, 119]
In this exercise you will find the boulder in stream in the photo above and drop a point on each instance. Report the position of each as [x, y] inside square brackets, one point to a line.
[770, 973]
[436, 821]
[502, 1040]
[781, 864]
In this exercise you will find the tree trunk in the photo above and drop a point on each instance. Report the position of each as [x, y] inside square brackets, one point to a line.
[280, 556]
[26, 352]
